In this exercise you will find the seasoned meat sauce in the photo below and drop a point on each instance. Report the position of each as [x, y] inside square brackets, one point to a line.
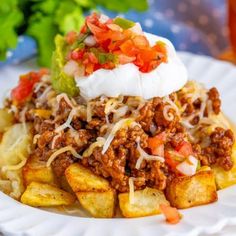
[118, 163]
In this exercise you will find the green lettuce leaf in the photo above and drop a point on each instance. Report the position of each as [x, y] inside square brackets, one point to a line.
[60, 81]
[123, 6]
[43, 29]
[10, 17]
[69, 16]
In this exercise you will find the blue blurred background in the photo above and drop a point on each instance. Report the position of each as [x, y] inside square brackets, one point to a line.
[198, 26]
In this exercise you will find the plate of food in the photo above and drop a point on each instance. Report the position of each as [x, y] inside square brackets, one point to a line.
[123, 136]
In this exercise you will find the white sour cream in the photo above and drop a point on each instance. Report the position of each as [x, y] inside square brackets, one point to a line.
[127, 80]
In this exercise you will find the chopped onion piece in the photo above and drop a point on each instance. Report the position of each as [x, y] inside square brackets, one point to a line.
[90, 41]
[71, 68]
[103, 18]
[189, 166]
[137, 29]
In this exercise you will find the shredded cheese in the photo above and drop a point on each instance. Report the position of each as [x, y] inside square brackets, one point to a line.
[35, 138]
[60, 151]
[172, 104]
[42, 98]
[66, 98]
[131, 190]
[38, 86]
[68, 121]
[99, 143]
[120, 112]
[167, 114]
[145, 156]
[120, 124]
[55, 139]
[23, 118]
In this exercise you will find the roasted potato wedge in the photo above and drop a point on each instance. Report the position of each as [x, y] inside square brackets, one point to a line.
[45, 195]
[15, 187]
[37, 171]
[83, 180]
[15, 145]
[98, 204]
[6, 120]
[199, 189]
[145, 203]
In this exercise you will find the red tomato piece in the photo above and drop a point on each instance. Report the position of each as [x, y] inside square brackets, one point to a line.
[171, 213]
[25, 85]
[185, 149]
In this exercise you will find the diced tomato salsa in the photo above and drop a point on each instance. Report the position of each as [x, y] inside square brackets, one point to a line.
[25, 86]
[110, 42]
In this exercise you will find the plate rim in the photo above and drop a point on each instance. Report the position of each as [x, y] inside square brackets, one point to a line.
[9, 228]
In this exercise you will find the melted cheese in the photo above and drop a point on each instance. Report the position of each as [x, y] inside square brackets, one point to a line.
[145, 156]
[60, 151]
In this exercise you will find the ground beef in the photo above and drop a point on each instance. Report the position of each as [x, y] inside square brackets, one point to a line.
[214, 96]
[45, 139]
[160, 120]
[176, 139]
[118, 164]
[220, 149]
[145, 117]
[60, 164]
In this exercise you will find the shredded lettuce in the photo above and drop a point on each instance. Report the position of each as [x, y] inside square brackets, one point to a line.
[60, 81]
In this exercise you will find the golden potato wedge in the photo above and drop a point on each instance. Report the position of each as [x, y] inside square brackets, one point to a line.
[15, 146]
[199, 189]
[83, 180]
[45, 195]
[13, 183]
[6, 120]
[5, 186]
[145, 203]
[37, 171]
[98, 204]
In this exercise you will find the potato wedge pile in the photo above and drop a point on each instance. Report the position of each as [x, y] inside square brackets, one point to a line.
[24, 177]
[93, 192]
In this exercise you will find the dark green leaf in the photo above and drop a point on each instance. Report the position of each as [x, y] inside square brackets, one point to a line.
[44, 31]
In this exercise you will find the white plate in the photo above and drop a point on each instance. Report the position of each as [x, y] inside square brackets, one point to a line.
[18, 219]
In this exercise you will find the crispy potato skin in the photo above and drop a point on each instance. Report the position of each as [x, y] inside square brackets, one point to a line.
[6, 120]
[199, 189]
[146, 202]
[45, 195]
[93, 192]
[98, 204]
[36, 171]
[83, 180]
[15, 144]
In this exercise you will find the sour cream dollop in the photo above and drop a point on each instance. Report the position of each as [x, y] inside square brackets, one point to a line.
[127, 80]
